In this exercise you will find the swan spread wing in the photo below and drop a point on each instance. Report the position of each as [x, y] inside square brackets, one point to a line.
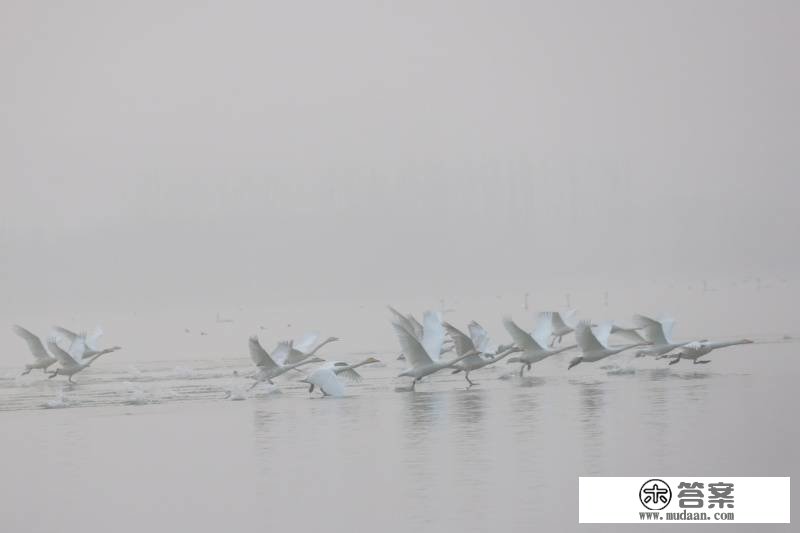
[77, 348]
[306, 342]
[587, 341]
[66, 333]
[281, 352]
[653, 329]
[411, 347]
[433, 334]
[544, 328]
[564, 320]
[521, 337]
[602, 331]
[259, 355]
[93, 339]
[416, 327]
[344, 370]
[34, 343]
[463, 343]
[480, 338]
[64, 359]
[667, 325]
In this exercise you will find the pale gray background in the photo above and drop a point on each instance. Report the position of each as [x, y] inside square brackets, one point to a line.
[160, 153]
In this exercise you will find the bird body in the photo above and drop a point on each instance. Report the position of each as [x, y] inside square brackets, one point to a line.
[327, 380]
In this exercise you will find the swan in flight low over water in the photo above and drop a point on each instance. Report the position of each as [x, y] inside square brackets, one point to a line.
[270, 367]
[563, 323]
[302, 349]
[42, 358]
[475, 357]
[69, 365]
[415, 328]
[424, 355]
[593, 343]
[339, 368]
[694, 350]
[659, 333]
[534, 345]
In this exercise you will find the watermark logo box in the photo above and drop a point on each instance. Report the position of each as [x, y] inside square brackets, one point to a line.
[665, 500]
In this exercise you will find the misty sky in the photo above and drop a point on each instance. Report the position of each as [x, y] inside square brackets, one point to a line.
[160, 152]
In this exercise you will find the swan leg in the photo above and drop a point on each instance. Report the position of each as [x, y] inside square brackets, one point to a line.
[700, 362]
[471, 383]
[51, 376]
[521, 368]
[675, 360]
[27, 371]
[251, 387]
[311, 388]
[529, 366]
[414, 384]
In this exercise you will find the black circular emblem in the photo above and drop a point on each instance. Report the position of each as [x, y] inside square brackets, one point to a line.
[655, 494]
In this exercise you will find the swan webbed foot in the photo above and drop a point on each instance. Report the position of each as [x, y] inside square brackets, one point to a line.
[701, 362]
[674, 361]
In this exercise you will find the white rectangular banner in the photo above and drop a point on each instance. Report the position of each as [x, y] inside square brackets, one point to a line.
[680, 500]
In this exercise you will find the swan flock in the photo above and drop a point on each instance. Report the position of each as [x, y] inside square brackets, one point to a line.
[424, 346]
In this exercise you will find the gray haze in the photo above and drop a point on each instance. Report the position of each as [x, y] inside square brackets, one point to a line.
[161, 153]
[299, 165]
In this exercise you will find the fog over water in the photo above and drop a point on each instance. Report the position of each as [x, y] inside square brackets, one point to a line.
[238, 168]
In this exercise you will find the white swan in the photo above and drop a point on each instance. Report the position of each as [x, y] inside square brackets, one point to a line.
[327, 380]
[412, 325]
[83, 346]
[563, 323]
[302, 348]
[534, 345]
[69, 365]
[694, 350]
[268, 368]
[475, 358]
[593, 343]
[424, 355]
[659, 333]
[42, 358]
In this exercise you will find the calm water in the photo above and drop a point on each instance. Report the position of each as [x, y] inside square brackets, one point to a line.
[156, 447]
